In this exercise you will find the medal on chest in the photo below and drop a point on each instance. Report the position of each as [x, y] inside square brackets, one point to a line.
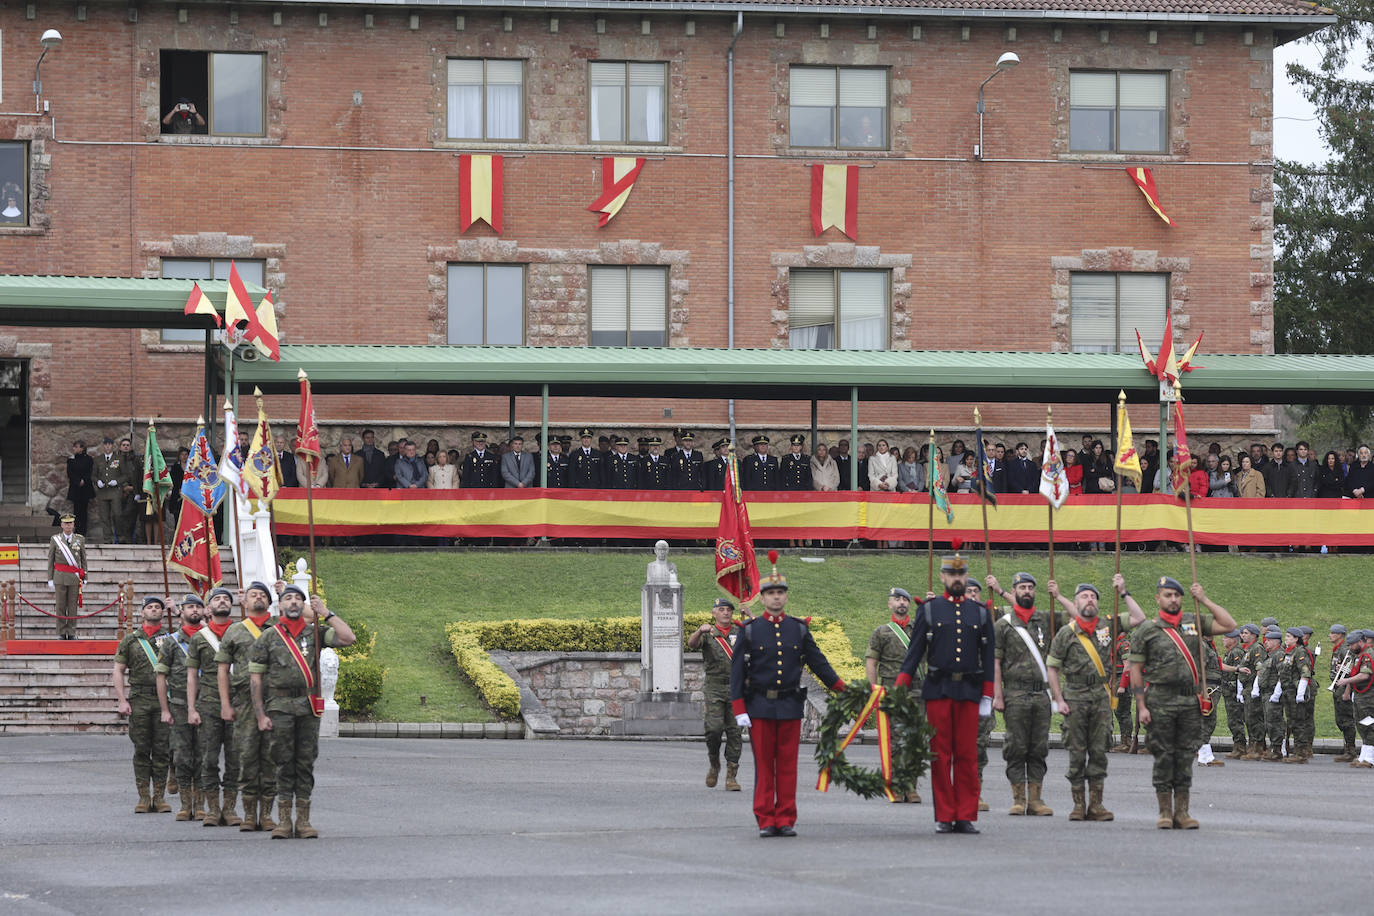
[1104, 637]
[1039, 637]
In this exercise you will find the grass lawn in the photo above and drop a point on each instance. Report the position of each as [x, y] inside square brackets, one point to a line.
[407, 597]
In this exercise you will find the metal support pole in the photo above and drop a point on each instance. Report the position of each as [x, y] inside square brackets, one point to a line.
[854, 438]
[1164, 447]
[813, 424]
[510, 428]
[544, 436]
[209, 379]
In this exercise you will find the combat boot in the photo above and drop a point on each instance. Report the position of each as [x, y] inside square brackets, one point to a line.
[283, 829]
[1095, 810]
[1272, 756]
[1237, 751]
[731, 777]
[213, 817]
[197, 805]
[1018, 799]
[228, 817]
[712, 773]
[303, 828]
[1182, 821]
[1346, 755]
[250, 814]
[173, 787]
[1165, 821]
[265, 821]
[145, 801]
[160, 805]
[913, 797]
[1078, 812]
[187, 799]
[1296, 757]
[1034, 805]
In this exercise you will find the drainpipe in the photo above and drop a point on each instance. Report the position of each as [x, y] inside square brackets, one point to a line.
[730, 182]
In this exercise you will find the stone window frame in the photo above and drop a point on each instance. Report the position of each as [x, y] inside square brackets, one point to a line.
[1167, 138]
[858, 54]
[558, 285]
[218, 246]
[836, 148]
[843, 256]
[1118, 260]
[1116, 59]
[148, 54]
[39, 190]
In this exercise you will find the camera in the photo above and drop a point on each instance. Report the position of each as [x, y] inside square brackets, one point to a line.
[184, 106]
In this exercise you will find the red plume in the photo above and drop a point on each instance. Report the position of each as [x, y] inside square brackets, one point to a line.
[956, 542]
[773, 557]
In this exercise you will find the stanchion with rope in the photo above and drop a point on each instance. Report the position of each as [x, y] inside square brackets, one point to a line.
[7, 610]
[126, 597]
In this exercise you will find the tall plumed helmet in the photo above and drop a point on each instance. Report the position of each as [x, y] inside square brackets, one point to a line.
[777, 579]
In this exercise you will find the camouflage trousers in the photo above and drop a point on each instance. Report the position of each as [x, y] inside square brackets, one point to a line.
[985, 727]
[216, 733]
[257, 772]
[1255, 726]
[1364, 709]
[1125, 716]
[1175, 734]
[150, 736]
[1209, 723]
[1275, 722]
[185, 743]
[295, 743]
[1087, 733]
[1345, 719]
[1235, 715]
[1026, 717]
[721, 726]
[1303, 719]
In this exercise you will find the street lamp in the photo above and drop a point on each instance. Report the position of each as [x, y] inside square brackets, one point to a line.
[1005, 62]
[51, 39]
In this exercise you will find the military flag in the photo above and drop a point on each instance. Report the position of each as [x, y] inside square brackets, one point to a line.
[1182, 456]
[264, 336]
[239, 316]
[1127, 462]
[199, 304]
[261, 475]
[618, 177]
[194, 552]
[737, 569]
[934, 485]
[480, 191]
[157, 481]
[835, 199]
[307, 432]
[231, 459]
[1054, 482]
[202, 486]
[984, 467]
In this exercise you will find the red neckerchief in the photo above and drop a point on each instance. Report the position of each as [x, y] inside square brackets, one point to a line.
[219, 628]
[1286, 649]
[259, 621]
[1087, 626]
[1172, 620]
[151, 629]
[1337, 647]
[191, 630]
[725, 630]
[1023, 614]
[900, 621]
[771, 619]
[294, 627]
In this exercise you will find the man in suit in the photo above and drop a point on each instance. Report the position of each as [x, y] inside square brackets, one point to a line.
[685, 463]
[586, 463]
[373, 461]
[345, 468]
[286, 462]
[1022, 474]
[66, 572]
[517, 468]
[760, 470]
[109, 493]
[80, 488]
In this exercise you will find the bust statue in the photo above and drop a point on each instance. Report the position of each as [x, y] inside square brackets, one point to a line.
[329, 675]
[660, 571]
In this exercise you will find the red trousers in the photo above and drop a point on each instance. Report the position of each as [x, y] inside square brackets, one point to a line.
[775, 743]
[954, 774]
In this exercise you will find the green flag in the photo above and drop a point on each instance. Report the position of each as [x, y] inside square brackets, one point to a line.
[936, 488]
[157, 483]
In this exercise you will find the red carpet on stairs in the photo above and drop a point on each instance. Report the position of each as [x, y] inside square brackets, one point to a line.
[61, 647]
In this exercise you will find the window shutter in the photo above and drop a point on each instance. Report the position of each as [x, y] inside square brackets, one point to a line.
[504, 72]
[862, 89]
[1093, 318]
[1144, 90]
[812, 87]
[1144, 305]
[648, 299]
[863, 309]
[811, 298]
[608, 74]
[608, 299]
[646, 75]
[465, 72]
[1092, 90]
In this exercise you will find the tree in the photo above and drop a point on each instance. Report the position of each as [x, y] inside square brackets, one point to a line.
[1324, 214]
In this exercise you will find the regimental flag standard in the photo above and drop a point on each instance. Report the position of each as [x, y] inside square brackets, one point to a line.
[239, 315]
[618, 177]
[480, 180]
[202, 486]
[1145, 180]
[934, 485]
[1054, 483]
[194, 552]
[199, 304]
[985, 468]
[231, 460]
[1183, 457]
[157, 481]
[307, 432]
[835, 199]
[261, 475]
[737, 570]
[1127, 461]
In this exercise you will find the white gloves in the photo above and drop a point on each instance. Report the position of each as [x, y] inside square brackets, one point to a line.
[1277, 695]
[1254, 691]
[100, 484]
[742, 720]
[1302, 690]
[985, 707]
[51, 587]
[1240, 692]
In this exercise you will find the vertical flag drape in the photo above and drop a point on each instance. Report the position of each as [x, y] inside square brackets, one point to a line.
[1145, 180]
[618, 177]
[1054, 483]
[481, 182]
[835, 199]
[737, 570]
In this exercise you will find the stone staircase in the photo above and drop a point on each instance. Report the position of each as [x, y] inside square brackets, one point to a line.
[20, 524]
[49, 694]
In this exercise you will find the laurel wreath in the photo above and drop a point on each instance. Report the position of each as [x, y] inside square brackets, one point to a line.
[911, 735]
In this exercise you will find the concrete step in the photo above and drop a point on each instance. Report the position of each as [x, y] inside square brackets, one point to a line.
[43, 728]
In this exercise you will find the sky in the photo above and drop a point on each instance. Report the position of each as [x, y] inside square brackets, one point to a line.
[1295, 129]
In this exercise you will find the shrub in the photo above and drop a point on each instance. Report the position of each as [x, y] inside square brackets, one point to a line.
[362, 648]
[360, 685]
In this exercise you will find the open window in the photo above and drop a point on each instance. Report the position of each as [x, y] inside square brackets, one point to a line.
[14, 184]
[206, 92]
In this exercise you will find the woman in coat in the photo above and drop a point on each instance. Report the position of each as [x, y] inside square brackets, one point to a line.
[1249, 482]
[1330, 478]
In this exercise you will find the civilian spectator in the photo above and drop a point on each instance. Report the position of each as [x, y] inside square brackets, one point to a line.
[80, 488]
[321, 478]
[1249, 482]
[910, 475]
[1073, 472]
[1198, 479]
[374, 462]
[1219, 483]
[411, 473]
[825, 473]
[432, 446]
[481, 468]
[998, 456]
[1214, 449]
[1302, 475]
[286, 461]
[882, 469]
[430, 460]
[961, 481]
[1351, 456]
[842, 458]
[1330, 477]
[517, 468]
[443, 476]
[1096, 469]
[1023, 476]
[1361, 476]
[1149, 466]
[1275, 472]
[865, 453]
[393, 452]
[345, 468]
[183, 118]
[1259, 457]
[956, 456]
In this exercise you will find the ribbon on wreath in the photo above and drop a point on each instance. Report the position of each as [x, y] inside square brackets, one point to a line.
[884, 723]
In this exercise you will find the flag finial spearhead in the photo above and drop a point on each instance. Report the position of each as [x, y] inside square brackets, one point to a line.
[257, 392]
[1121, 396]
[301, 374]
[227, 405]
[977, 416]
[201, 420]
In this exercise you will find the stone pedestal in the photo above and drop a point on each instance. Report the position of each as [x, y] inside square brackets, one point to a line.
[660, 714]
[662, 708]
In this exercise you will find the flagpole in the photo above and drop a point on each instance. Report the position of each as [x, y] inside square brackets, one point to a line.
[983, 490]
[1116, 596]
[1049, 508]
[930, 515]
[310, 518]
[161, 535]
[1192, 555]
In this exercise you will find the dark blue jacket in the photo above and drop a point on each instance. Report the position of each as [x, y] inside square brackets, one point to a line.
[956, 639]
[1022, 474]
[765, 675]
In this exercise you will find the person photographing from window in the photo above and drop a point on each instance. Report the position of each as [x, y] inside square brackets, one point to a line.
[184, 118]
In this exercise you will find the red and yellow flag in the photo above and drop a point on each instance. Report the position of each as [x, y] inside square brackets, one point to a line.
[194, 552]
[307, 430]
[737, 569]
[1145, 180]
[835, 199]
[264, 336]
[618, 177]
[9, 554]
[480, 180]
[238, 308]
[1182, 455]
[1127, 462]
[199, 304]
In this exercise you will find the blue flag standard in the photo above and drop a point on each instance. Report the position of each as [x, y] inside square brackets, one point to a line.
[202, 486]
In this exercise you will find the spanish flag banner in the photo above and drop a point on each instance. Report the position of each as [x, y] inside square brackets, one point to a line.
[239, 314]
[1145, 180]
[9, 554]
[264, 338]
[199, 304]
[835, 199]
[480, 180]
[618, 177]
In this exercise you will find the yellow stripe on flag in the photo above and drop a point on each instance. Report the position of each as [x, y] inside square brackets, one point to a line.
[480, 188]
[834, 196]
[621, 167]
[9, 554]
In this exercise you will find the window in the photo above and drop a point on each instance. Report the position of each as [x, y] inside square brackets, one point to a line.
[628, 103]
[1107, 310]
[1118, 112]
[251, 272]
[837, 309]
[830, 102]
[629, 307]
[205, 92]
[14, 184]
[486, 304]
[486, 99]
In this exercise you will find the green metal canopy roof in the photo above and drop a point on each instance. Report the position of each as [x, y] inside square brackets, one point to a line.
[107, 302]
[929, 375]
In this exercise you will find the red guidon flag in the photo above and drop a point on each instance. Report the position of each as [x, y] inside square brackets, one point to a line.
[618, 177]
[1182, 455]
[307, 431]
[835, 199]
[199, 304]
[736, 569]
[1145, 180]
[194, 552]
[480, 180]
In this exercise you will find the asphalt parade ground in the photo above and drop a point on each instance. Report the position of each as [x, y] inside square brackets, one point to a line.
[602, 827]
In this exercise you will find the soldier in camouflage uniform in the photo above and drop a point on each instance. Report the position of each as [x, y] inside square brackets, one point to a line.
[1167, 647]
[974, 590]
[1251, 663]
[206, 708]
[1021, 692]
[1356, 686]
[282, 665]
[1205, 757]
[171, 697]
[256, 773]
[717, 644]
[1295, 674]
[1120, 678]
[887, 650]
[1269, 691]
[1232, 692]
[1307, 709]
[1341, 662]
[137, 654]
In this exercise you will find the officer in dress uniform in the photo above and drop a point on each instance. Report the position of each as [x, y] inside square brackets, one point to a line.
[586, 463]
[109, 493]
[954, 635]
[766, 697]
[653, 471]
[714, 471]
[557, 474]
[760, 470]
[66, 573]
[622, 468]
[795, 468]
[685, 463]
[482, 467]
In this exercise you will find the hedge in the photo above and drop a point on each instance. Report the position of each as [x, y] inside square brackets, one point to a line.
[360, 679]
[471, 641]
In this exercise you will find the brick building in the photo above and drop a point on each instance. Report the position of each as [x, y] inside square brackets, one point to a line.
[323, 155]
